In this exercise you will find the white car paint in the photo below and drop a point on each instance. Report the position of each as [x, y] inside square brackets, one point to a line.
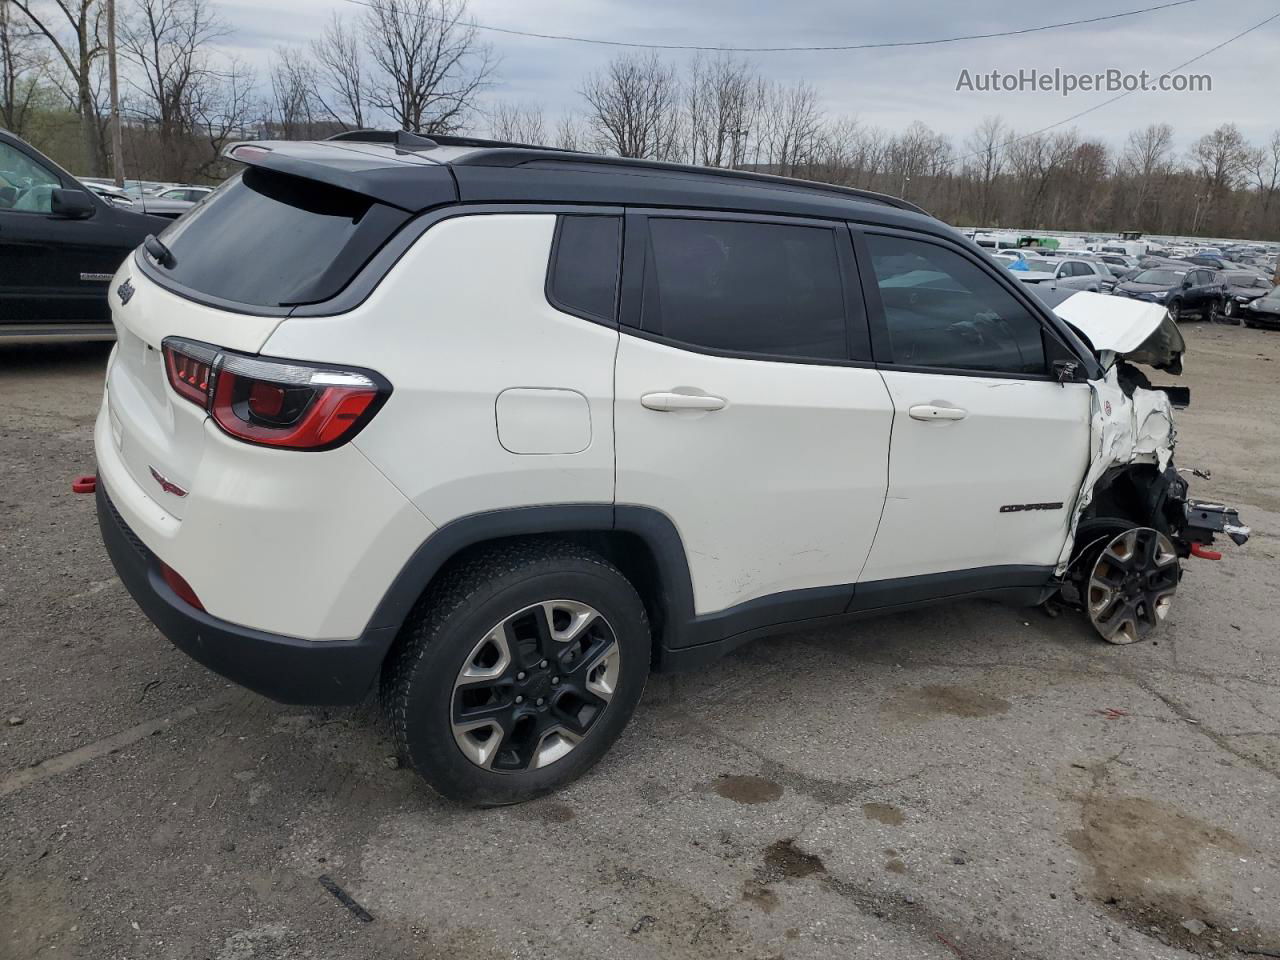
[790, 476]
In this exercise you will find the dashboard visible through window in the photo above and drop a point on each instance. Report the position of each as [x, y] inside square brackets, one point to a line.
[941, 310]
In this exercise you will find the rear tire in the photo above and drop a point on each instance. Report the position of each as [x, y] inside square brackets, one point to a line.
[518, 671]
[1175, 312]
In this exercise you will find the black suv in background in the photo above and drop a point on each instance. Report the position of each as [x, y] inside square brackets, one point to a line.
[1187, 293]
[60, 244]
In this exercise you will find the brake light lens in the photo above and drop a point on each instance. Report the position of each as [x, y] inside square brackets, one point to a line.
[275, 403]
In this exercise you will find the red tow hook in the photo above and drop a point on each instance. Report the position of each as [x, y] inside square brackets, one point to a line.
[1203, 554]
[85, 484]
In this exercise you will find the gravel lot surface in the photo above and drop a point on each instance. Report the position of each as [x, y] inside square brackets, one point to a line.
[968, 781]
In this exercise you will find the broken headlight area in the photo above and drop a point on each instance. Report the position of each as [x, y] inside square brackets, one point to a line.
[1133, 520]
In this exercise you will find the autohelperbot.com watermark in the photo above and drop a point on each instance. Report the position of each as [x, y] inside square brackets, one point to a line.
[1065, 83]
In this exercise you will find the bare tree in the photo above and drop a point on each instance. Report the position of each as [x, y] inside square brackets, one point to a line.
[569, 135]
[634, 108]
[220, 109]
[168, 42]
[1264, 167]
[792, 126]
[987, 146]
[293, 94]
[78, 52]
[340, 67]
[518, 123]
[1146, 159]
[21, 66]
[723, 98]
[432, 63]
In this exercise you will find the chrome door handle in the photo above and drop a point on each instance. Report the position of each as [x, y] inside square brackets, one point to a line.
[930, 411]
[667, 402]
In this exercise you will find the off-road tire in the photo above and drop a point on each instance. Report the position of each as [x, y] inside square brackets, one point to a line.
[466, 601]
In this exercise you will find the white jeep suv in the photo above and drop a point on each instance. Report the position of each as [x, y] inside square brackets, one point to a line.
[504, 428]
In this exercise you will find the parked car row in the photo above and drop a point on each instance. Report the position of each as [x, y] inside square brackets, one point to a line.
[170, 200]
[1203, 285]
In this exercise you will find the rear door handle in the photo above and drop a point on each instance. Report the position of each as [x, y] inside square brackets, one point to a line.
[667, 402]
[930, 411]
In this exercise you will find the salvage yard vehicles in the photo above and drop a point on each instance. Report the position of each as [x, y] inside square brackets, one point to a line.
[530, 424]
[60, 244]
[1262, 312]
[1075, 273]
[1240, 289]
[1194, 293]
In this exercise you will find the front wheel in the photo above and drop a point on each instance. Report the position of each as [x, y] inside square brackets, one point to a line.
[519, 670]
[1175, 312]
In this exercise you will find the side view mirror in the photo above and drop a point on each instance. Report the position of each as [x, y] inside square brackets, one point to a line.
[1186, 282]
[71, 204]
[1064, 371]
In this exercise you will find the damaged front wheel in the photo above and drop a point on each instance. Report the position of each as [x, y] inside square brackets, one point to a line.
[1131, 585]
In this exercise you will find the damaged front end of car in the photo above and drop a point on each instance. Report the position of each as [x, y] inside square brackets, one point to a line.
[1133, 520]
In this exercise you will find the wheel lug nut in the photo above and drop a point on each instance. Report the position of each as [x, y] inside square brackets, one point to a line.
[555, 679]
[520, 675]
[519, 699]
[543, 663]
[541, 701]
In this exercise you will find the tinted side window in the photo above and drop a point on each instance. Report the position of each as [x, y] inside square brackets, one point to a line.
[584, 274]
[941, 310]
[760, 288]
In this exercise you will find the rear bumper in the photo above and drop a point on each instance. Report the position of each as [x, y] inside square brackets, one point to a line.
[316, 672]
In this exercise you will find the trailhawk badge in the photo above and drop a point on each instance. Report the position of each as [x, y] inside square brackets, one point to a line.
[167, 485]
[125, 292]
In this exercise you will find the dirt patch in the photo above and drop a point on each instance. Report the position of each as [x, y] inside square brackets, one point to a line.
[759, 896]
[896, 866]
[783, 860]
[946, 700]
[885, 813]
[747, 789]
[1144, 857]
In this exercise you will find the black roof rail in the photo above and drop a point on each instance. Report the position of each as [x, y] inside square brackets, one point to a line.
[501, 153]
[516, 156]
[402, 137]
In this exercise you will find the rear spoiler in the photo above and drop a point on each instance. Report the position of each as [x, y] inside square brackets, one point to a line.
[412, 187]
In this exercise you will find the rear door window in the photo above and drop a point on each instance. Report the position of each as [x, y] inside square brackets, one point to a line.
[745, 287]
[269, 239]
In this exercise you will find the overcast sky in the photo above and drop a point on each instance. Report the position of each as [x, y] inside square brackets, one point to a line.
[887, 88]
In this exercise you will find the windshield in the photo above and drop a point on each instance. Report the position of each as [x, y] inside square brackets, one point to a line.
[1165, 278]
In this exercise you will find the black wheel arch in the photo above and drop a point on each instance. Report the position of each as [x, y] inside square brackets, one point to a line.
[641, 541]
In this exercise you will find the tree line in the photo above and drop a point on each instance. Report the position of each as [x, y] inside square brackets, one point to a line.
[421, 65]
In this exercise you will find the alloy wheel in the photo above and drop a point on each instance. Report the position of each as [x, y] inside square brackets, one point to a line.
[533, 687]
[1132, 584]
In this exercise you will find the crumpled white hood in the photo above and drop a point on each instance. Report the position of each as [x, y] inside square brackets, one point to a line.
[1117, 324]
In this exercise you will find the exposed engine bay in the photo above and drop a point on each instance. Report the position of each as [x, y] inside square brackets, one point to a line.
[1133, 520]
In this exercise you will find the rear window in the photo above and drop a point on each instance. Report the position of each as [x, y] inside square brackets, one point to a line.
[269, 239]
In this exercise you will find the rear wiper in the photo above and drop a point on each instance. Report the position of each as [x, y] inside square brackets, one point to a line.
[159, 252]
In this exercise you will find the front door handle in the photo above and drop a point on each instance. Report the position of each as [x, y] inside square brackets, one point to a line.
[932, 411]
[667, 402]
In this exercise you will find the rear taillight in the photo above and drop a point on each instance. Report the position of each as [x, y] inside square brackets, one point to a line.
[276, 403]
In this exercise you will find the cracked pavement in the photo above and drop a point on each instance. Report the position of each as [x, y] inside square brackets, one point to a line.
[965, 781]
